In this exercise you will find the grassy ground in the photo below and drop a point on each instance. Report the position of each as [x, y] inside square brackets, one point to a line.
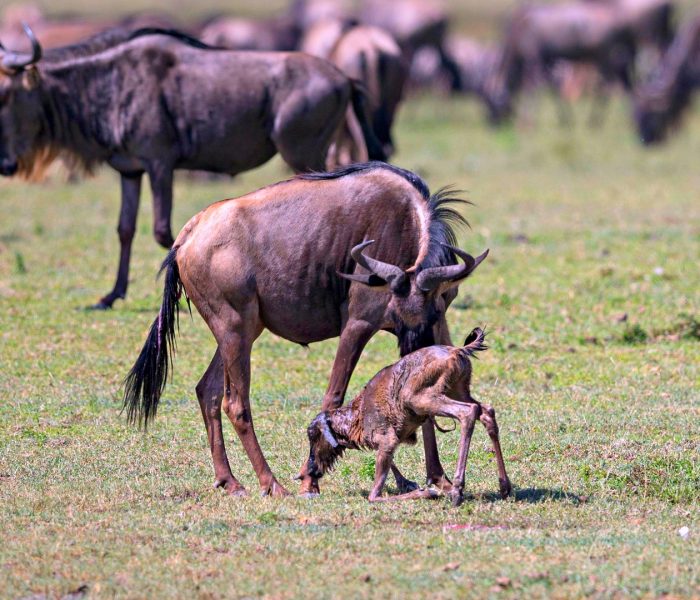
[592, 298]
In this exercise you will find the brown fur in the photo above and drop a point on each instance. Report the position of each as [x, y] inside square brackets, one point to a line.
[430, 382]
[280, 259]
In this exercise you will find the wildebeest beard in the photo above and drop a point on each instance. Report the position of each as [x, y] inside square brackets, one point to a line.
[415, 338]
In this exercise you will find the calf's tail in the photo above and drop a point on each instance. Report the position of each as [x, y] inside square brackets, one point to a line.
[145, 382]
[474, 342]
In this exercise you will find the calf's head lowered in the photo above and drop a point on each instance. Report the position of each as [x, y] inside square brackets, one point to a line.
[431, 382]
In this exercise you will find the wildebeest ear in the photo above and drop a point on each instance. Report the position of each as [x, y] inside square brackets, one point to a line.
[370, 279]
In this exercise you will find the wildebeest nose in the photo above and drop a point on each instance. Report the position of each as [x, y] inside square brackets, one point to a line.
[8, 167]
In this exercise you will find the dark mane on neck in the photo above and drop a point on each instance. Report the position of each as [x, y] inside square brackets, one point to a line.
[114, 36]
[444, 220]
[412, 178]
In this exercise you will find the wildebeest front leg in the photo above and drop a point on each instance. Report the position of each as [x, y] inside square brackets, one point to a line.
[488, 419]
[435, 474]
[210, 394]
[161, 177]
[383, 461]
[353, 340]
[131, 193]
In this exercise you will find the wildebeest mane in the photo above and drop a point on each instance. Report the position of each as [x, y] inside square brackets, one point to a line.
[412, 178]
[114, 36]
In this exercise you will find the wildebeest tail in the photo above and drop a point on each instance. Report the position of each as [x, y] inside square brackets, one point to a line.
[359, 106]
[474, 342]
[145, 382]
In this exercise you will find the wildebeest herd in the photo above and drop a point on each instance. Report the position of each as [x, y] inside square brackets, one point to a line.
[349, 246]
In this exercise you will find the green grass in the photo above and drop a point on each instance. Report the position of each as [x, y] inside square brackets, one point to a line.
[592, 299]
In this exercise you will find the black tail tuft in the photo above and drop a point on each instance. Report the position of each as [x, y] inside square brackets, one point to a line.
[359, 105]
[145, 382]
[475, 342]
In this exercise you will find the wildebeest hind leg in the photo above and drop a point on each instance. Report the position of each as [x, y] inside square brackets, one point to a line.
[131, 193]
[210, 392]
[235, 345]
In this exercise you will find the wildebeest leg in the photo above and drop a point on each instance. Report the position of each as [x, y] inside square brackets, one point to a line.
[235, 345]
[353, 339]
[383, 461]
[435, 474]
[488, 419]
[466, 413]
[161, 177]
[466, 421]
[131, 193]
[210, 394]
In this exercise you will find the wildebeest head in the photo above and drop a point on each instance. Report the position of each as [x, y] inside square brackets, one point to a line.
[417, 295]
[657, 107]
[20, 104]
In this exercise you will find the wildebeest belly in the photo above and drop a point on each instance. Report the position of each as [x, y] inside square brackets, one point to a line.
[301, 319]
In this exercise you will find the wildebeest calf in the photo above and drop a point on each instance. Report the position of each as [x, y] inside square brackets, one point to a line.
[428, 383]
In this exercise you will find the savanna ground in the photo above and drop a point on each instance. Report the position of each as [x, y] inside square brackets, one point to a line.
[592, 299]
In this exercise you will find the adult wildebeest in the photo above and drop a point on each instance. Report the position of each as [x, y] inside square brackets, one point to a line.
[660, 103]
[414, 24]
[160, 101]
[371, 56]
[428, 383]
[540, 35]
[346, 254]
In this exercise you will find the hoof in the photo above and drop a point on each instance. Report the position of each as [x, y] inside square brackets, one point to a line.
[231, 487]
[457, 497]
[275, 489]
[506, 488]
[442, 483]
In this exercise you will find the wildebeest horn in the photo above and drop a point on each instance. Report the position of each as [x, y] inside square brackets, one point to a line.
[15, 61]
[380, 273]
[430, 278]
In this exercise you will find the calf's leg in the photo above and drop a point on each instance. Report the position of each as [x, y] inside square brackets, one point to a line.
[488, 419]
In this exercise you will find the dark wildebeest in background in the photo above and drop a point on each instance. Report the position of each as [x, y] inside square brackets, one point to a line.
[322, 36]
[238, 33]
[660, 103]
[538, 36]
[475, 62]
[428, 383]
[161, 101]
[414, 24]
[291, 258]
[371, 56]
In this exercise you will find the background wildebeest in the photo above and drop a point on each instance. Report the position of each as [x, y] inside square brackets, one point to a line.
[538, 36]
[160, 101]
[280, 259]
[660, 102]
[371, 56]
[428, 383]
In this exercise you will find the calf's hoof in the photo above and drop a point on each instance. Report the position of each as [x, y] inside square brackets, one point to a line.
[456, 496]
[506, 488]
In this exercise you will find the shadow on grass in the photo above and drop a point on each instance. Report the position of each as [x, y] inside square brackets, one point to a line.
[537, 495]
